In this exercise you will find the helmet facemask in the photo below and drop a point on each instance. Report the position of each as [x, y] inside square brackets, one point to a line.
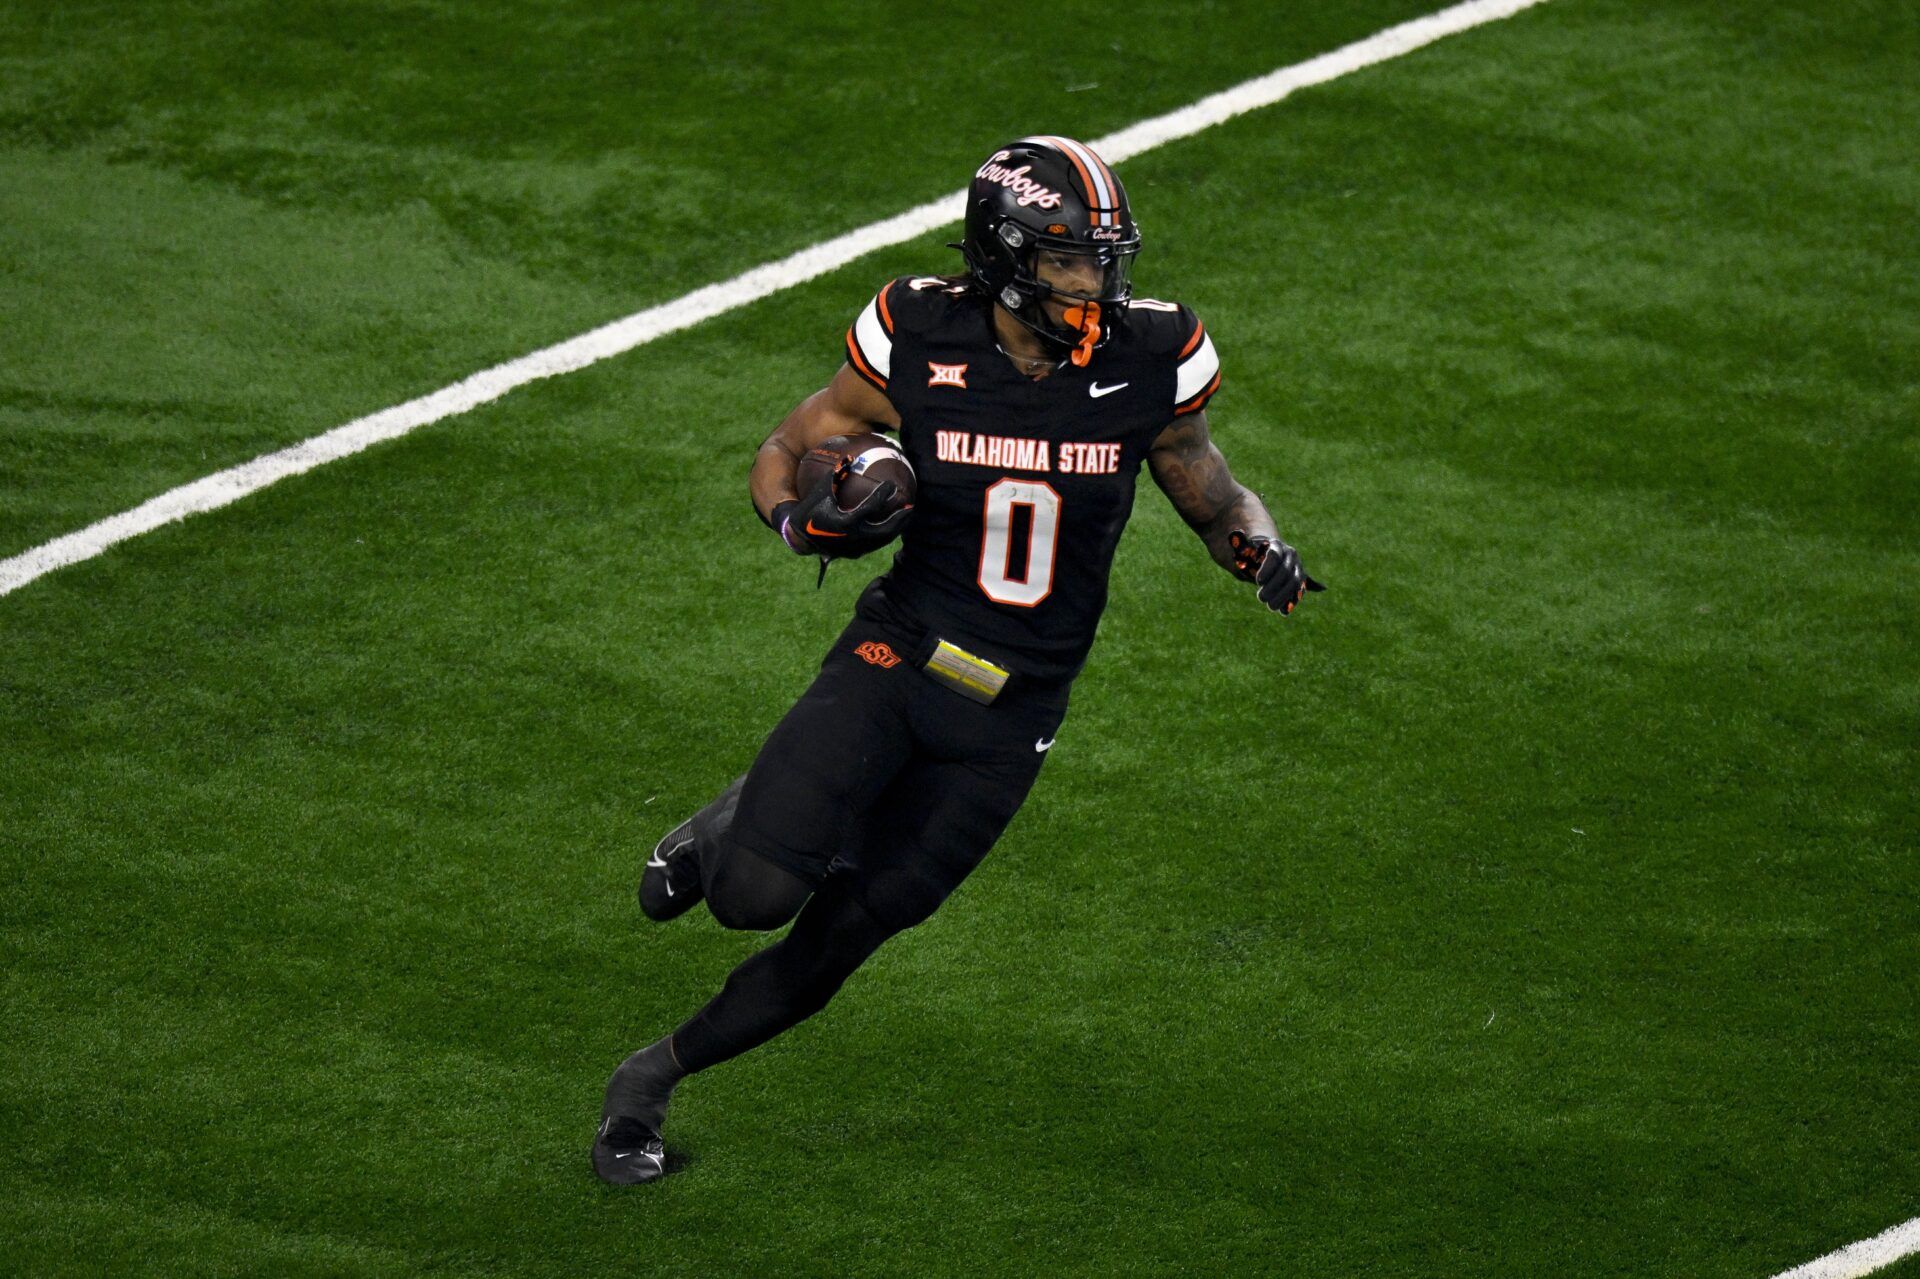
[1067, 292]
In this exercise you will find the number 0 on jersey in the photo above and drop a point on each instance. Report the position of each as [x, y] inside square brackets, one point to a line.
[996, 541]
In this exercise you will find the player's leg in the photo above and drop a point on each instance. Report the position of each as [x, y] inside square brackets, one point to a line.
[906, 872]
[933, 825]
[930, 829]
[699, 860]
[757, 852]
[758, 849]
[771, 991]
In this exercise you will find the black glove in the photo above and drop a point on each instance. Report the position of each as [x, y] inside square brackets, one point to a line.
[1273, 567]
[814, 524]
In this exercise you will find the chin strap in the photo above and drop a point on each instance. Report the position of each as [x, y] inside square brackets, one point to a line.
[1086, 319]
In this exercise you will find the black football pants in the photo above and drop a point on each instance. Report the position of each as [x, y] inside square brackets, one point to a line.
[873, 798]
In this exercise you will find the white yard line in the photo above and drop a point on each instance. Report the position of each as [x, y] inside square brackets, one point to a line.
[231, 485]
[1862, 1258]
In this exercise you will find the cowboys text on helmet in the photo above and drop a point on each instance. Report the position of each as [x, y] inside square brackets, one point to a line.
[1024, 188]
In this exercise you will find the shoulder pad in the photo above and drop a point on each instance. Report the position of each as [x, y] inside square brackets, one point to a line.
[1174, 332]
[921, 301]
[870, 339]
[908, 304]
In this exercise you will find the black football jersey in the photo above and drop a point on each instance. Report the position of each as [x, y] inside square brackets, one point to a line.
[1024, 485]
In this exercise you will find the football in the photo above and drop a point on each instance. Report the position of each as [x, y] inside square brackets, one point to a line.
[862, 463]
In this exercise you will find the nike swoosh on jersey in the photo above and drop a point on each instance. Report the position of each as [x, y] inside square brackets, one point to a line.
[1096, 390]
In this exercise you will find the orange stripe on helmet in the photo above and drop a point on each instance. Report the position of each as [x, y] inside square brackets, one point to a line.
[1094, 215]
[1113, 184]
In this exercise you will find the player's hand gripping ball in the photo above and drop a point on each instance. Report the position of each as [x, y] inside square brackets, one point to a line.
[856, 495]
[1274, 569]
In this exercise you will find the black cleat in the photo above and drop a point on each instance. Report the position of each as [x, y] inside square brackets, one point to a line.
[670, 885]
[627, 1149]
[626, 1152]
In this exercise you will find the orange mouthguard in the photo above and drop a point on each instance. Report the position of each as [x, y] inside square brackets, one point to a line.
[1086, 318]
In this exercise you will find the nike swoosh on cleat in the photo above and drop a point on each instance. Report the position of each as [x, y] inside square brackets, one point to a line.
[660, 863]
[1044, 743]
[1096, 390]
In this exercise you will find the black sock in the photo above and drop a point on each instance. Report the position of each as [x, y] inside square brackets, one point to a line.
[643, 1084]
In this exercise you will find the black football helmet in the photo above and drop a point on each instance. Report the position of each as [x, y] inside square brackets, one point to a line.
[1046, 218]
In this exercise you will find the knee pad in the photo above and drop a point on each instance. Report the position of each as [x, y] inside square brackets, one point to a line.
[749, 916]
[749, 892]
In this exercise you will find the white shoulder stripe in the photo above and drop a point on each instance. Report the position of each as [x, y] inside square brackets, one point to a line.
[1196, 371]
[875, 345]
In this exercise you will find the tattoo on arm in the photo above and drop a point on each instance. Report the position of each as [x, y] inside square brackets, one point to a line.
[1191, 471]
[1195, 477]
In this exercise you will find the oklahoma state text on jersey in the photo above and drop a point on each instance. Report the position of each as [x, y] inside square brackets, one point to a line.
[1024, 486]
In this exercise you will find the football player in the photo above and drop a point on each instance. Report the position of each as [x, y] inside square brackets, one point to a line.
[1026, 393]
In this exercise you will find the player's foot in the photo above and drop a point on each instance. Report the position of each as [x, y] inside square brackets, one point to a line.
[627, 1149]
[626, 1152]
[670, 885]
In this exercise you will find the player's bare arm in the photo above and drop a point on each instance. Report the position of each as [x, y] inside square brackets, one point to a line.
[845, 406]
[1192, 472]
[1229, 517]
[813, 523]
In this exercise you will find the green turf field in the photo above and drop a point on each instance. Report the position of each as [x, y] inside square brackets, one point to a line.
[1542, 900]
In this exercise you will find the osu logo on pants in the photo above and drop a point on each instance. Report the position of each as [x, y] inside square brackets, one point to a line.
[879, 654]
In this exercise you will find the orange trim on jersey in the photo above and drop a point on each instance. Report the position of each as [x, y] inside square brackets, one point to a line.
[1200, 400]
[860, 364]
[1199, 331]
[886, 316]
